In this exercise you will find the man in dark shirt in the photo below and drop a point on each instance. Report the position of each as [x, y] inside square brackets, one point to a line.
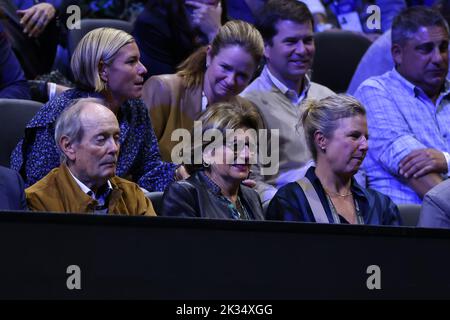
[13, 84]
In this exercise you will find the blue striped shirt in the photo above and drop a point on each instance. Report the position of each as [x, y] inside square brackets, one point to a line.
[401, 118]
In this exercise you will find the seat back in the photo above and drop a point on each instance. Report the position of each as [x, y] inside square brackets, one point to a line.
[156, 199]
[410, 214]
[75, 35]
[337, 55]
[15, 114]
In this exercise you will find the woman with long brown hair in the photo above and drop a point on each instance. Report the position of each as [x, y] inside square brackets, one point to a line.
[215, 73]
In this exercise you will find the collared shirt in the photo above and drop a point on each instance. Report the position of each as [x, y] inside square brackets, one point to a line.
[58, 191]
[280, 113]
[401, 118]
[101, 197]
[238, 211]
[198, 196]
[291, 204]
[293, 96]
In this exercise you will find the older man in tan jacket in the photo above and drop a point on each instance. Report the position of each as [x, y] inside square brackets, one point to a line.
[87, 134]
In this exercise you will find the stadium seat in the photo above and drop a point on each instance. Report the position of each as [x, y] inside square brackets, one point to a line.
[410, 214]
[156, 199]
[337, 55]
[15, 115]
[75, 35]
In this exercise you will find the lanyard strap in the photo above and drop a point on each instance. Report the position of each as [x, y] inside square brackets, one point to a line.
[317, 208]
[313, 199]
[359, 218]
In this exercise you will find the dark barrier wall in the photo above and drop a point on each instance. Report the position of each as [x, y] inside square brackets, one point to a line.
[163, 258]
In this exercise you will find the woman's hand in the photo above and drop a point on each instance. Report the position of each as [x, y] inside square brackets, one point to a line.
[181, 173]
[36, 18]
[206, 16]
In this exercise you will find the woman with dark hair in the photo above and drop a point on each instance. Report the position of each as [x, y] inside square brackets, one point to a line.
[214, 189]
[336, 132]
[168, 31]
[215, 73]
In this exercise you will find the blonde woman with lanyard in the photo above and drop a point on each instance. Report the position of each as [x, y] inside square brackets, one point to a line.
[336, 131]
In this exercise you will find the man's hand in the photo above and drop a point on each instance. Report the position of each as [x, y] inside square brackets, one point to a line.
[36, 18]
[421, 162]
[206, 16]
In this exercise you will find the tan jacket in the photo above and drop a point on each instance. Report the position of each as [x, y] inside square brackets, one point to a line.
[172, 106]
[59, 192]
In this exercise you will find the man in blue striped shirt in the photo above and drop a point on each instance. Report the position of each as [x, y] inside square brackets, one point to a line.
[408, 109]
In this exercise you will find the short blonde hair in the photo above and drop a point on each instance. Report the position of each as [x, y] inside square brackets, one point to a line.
[223, 116]
[322, 115]
[233, 33]
[98, 45]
